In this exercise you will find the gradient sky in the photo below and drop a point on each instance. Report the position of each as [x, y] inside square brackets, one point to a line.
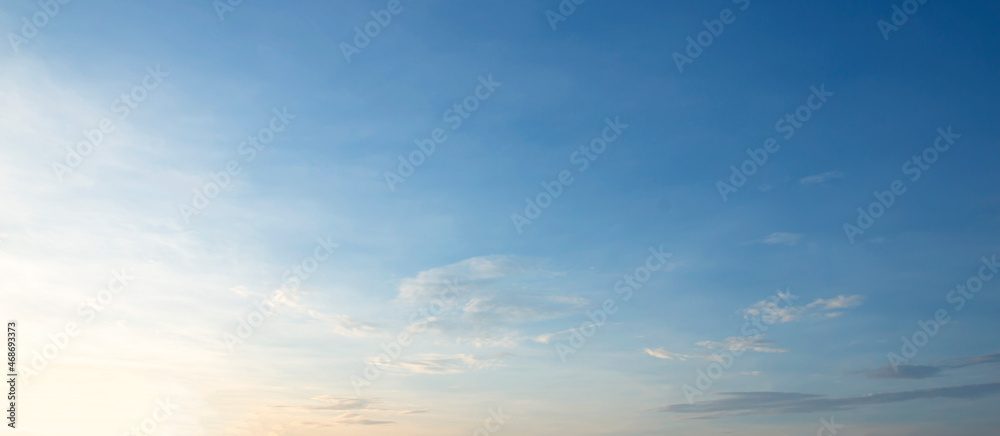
[774, 252]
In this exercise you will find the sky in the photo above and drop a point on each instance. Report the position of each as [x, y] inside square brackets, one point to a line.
[531, 217]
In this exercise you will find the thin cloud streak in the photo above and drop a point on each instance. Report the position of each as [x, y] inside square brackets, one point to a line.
[781, 403]
[919, 372]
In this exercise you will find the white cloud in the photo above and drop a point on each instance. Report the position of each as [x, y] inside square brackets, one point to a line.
[660, 353]
[549, 337]
[343, 325]
[839, 302]
[780, 309]
[820, 178]
[487, 301]
[433, 363]
[736, 343]
[429, 285]
[780, 238]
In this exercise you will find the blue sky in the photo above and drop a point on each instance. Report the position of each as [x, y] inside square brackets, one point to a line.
[311, 228]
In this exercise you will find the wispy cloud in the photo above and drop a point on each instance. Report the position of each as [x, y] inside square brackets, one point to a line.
[905, 372]
[428, 285]
[735, 343]
[352, 411]
[549, 337]
[918, 372]
[344, 403]
[839, 302]
[751, 343]
[343, 325]
[778, 238]
[773, 311]
[660, 353]
[432, 363]
[820, 178]
[494, 299]
[780, 403]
